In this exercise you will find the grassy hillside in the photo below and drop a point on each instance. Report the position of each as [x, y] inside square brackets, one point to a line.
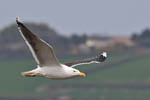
[117, 78]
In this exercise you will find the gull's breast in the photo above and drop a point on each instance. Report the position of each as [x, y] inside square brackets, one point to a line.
[54, 73]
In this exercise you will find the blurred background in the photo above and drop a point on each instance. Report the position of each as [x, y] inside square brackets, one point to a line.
[78, 29]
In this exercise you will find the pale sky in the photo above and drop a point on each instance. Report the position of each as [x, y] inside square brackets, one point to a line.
[109, 17]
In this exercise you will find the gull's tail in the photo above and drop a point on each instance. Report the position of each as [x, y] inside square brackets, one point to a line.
[28, 74]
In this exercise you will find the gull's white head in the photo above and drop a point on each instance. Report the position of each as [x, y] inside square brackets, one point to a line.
[74, 72]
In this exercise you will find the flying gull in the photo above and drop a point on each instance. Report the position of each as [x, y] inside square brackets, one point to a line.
[47, 64]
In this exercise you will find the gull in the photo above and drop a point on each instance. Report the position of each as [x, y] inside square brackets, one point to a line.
[47, 64]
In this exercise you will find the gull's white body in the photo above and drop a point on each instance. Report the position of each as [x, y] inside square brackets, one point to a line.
[54, 72]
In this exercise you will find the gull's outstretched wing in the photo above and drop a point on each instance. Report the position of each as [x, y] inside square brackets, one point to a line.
[41, 51]
[97, 59]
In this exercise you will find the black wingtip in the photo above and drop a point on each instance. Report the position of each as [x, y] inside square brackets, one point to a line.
[102, 57]
[18, 20]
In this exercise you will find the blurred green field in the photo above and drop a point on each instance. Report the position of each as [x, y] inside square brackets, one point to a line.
[110, 94]
[130, 72]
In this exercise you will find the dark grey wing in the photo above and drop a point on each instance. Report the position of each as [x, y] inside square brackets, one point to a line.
[41, 51]
[97, 59]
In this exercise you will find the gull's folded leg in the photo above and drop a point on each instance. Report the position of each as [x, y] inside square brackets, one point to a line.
[29, 74]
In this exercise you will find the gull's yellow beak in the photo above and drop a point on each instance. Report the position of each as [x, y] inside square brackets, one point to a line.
[82, 74]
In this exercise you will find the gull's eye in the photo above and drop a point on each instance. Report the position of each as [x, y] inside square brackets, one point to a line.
[74, 71]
